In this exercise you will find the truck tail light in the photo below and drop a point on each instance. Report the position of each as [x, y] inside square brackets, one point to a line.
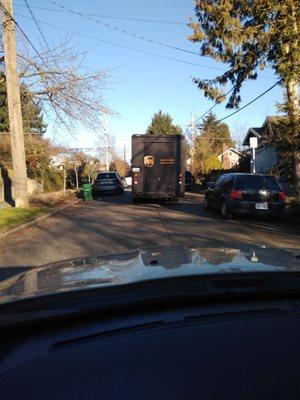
[180, 179]
[236, 195]
[281, 196]
[135, 179]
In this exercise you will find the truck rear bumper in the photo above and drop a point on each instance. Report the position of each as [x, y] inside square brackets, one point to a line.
[157, 196]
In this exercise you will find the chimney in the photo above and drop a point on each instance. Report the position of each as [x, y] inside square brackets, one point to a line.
[224, 147]
[225, 157]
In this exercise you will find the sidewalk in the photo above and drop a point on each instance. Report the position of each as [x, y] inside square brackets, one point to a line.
[27, 217]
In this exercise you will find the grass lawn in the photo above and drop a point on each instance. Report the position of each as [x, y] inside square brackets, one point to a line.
[12, 217]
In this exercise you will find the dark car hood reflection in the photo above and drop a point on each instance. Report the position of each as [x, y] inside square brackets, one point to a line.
[144, 264]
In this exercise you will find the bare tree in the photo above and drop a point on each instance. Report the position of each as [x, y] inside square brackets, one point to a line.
[61, 85]
[75, 161]
[239, 132]
[118, 164]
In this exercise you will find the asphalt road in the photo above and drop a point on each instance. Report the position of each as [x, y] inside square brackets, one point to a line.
[114, 225]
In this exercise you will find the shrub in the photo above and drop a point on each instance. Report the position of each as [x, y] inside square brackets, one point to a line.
[53, 180]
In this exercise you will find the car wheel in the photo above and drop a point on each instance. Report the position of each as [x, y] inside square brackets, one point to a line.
[225, 213]
[206, 204]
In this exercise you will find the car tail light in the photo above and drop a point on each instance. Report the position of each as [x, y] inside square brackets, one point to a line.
[236, 194]
[281, 196]
[180, 179]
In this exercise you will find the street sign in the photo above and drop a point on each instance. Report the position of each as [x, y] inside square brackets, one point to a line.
[253, 142]
[253, 145]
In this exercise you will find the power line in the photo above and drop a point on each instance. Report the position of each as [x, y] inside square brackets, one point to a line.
[240, 109]
[127, 47]
[123, 30]
[21, 30]
[222, 119]
[252, 101]
[37, 25]
[34, 48]
[153, 21]
[226, 94]
[122, 46]
[212, 107]
[41, 33]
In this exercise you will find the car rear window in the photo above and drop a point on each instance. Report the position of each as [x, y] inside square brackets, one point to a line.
[256, 182]
[107, 176]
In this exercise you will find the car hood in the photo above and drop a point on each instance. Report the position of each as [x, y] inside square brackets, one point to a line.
[147, 264]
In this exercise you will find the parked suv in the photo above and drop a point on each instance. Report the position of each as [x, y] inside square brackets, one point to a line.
[108, 182]
[246, 194]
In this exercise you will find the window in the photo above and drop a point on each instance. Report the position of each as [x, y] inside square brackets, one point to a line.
[228, 182]
[108, 175]
[220, 181]
[256, 182]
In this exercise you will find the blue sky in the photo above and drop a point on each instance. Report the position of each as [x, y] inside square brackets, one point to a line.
[141, 84]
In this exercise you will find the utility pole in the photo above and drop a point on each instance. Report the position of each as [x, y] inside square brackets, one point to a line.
[106, 143]
[14, 107]
[124, 155]
[193, 137]
[65, 179]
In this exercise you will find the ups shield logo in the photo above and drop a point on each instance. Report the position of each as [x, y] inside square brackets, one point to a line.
[149, 161]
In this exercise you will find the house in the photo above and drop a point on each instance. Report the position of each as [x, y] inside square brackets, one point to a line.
[268, 159]
[58, 161]
[229, 157]
[266, 156]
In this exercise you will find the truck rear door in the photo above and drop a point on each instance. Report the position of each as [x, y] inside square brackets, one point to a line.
[159, 168]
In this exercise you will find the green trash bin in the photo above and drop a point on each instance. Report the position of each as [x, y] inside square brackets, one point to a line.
[87, 192]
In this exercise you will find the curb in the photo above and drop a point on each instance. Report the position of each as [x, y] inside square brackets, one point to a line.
[192, 194]
[34, 221]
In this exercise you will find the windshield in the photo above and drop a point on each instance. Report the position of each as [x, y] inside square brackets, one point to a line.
[256, 182]
[117, 118]
[106, 176]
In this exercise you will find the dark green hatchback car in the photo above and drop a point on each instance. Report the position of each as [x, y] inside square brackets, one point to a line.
[239, 193]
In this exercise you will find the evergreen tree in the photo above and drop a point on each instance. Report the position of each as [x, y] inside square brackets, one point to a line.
[217, 133]
[162, 124]
[31, 112]
[209, 144]
[247, 36]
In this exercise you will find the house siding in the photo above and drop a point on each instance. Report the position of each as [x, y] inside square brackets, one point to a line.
[266, 159]
[229, 158]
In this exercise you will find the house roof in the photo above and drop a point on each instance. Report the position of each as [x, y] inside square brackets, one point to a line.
[230, 149]
[253, 132]
[261, 131]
